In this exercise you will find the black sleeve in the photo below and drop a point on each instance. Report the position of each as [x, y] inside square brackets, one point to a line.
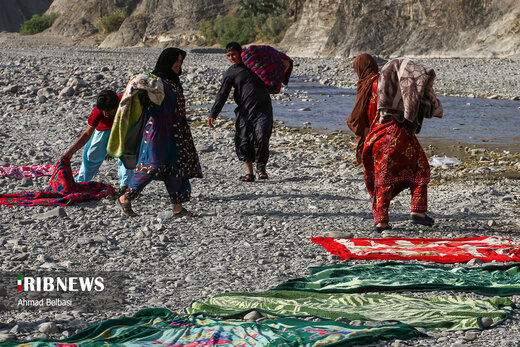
[222, 96]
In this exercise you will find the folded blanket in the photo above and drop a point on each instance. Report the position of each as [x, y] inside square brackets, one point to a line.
[160, 327]
[267, 63]
[488, 280]
[130, 109]
[436, 313]
[485, 248]
[62, 190]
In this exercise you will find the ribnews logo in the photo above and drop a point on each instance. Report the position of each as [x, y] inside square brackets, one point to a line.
[60, 284]
[62, 290]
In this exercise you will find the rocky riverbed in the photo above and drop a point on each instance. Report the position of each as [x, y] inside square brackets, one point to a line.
[251, 236]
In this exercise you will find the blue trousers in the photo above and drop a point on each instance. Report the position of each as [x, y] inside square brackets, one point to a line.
[94, 155]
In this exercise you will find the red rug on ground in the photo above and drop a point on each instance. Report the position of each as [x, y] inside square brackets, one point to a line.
[62, 190]
[485, 248]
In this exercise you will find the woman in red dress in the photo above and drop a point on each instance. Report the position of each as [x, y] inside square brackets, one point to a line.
[385, 121]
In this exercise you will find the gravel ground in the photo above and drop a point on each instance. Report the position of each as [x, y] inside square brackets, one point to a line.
[250, 237]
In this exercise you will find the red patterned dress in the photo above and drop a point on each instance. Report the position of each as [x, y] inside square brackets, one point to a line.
[393, 160]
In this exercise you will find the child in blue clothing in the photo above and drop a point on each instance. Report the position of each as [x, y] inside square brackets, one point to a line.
[95, 139]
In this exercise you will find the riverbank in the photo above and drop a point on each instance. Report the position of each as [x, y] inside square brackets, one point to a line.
[250, 237]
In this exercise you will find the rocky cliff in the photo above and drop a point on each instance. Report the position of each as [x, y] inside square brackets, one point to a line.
[14, 12]
[424, 28]
[327, 28]
[148, 21]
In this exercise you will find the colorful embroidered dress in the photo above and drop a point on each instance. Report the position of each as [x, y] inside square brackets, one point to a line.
[167, 148]
[393, 160]
[167, 151]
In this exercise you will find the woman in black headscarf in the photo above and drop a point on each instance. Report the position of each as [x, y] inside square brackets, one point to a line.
[167, 151]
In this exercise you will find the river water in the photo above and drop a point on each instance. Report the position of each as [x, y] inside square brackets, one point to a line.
[468, 121]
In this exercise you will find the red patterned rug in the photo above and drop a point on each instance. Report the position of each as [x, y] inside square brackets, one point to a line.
[62, 190]
[485, 248]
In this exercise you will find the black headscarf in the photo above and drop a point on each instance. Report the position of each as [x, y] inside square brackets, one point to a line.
[163, 67]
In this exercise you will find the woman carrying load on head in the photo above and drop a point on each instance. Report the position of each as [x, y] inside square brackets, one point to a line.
[385, 120]
[167, 151]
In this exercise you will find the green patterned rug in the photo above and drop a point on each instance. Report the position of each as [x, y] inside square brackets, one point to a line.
[160, 327]
[501, 280]
[432, 313]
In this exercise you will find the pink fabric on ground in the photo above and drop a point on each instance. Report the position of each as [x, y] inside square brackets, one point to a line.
[20, 172]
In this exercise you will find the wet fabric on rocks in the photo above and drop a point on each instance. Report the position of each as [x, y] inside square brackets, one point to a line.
[490, 280]
[254, 113]
[61, 191]
[485, 248]
[435, 313]
[160, 327]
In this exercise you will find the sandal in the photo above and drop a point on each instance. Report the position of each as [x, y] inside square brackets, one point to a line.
[126, 208]
[426, 220]
[381, 229]
[122, 190]
[184, 213]
[248, 178]
[263, 175]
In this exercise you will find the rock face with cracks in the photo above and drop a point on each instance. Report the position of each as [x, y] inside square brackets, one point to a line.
[148, 22]
[441, 28]
[326, 28]
[14, 12]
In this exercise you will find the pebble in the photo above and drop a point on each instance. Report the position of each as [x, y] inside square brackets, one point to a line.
[55, 212]
[191, 279]
[252, 316]
[471, 335]
[26, 182]
[337, 234]
[475, 261]
[486, 322]
[7, 337]
[66, 92]
[47, 327]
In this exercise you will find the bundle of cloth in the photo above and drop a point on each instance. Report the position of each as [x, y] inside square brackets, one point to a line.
[61, 191]
[126, 134]
[271, 65]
